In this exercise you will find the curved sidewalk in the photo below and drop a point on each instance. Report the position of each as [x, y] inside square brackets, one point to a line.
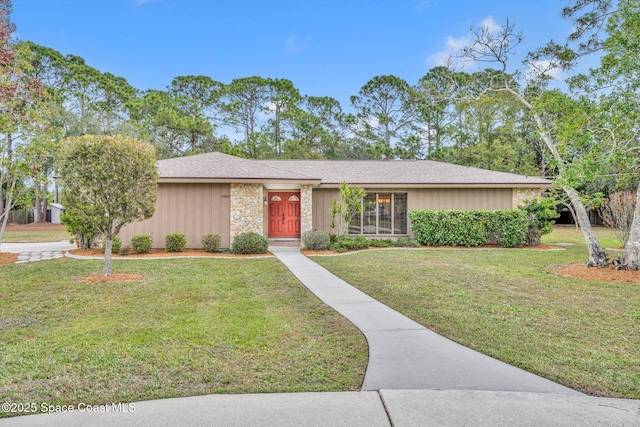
[404, 355]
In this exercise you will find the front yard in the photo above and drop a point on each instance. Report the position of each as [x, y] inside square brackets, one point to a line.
[510, 304]
[188, 327]
[199, 326]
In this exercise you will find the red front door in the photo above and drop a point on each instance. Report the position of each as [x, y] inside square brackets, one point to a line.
[284, 214]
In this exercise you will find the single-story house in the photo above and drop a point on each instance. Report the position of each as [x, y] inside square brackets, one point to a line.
[228, 195]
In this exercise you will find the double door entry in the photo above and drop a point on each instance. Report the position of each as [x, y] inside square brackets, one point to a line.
[284, 214]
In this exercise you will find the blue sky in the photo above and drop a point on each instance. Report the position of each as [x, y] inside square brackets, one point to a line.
[327, 48]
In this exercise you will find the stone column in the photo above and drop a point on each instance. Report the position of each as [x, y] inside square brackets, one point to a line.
[306, 208]
[519, 195]
[247, 209]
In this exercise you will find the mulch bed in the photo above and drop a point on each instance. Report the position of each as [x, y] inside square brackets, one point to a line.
[160, 253]
[307, 252]
[8, 258]
[607, 274]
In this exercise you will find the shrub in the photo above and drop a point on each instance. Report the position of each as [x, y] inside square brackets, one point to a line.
[175, 242]
[124, 250]
[211, 242]
[469, 227]
[142, 243]
[540, 218]
[380, 243]
[316, 240]
[249, 243]
[115, 246]
[348, 243]
[406, 242]
[510, 228]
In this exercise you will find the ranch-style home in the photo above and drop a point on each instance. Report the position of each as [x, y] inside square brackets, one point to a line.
[281, 199]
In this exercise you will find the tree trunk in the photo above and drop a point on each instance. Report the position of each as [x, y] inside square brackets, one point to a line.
[108, 244]
[5, 218]
[41, 203]
[632, 248]
[6, 175]
[597, 257]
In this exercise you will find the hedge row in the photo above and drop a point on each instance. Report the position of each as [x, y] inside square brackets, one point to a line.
[504, 227]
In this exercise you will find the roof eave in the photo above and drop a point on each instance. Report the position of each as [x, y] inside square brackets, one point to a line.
[192, 180]
[439, 185]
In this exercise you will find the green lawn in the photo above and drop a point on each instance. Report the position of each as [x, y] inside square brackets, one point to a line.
[188, 327]
[36, 236]
[511, 305]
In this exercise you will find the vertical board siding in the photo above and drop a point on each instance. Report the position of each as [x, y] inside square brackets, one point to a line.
[322, 199]
[458, 198]
[191, 209]
[420, 198]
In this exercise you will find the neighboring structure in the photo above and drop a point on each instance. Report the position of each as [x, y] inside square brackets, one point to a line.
[218, 193]
[56, 210]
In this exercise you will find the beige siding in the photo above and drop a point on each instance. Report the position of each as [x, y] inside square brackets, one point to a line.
[459, 198]
[420, 198]
[191, 209]
[322, 208]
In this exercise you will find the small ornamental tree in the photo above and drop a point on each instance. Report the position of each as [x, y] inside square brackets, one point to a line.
[347, 207]
[109, 181]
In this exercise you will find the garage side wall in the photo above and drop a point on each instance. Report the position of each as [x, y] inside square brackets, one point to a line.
[191, 209]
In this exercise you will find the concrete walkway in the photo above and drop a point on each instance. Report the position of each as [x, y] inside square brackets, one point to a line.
[403, 354]
[30, 252]
[397, 408]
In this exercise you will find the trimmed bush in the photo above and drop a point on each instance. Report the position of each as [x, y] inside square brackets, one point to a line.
[211, 242]
[348, 243]
[406, 242]
[380, 243]
[175, 242]
[115, 246]
[124, 250]
[142, 243]
[316, 240]
[249, 243]
[469, 228]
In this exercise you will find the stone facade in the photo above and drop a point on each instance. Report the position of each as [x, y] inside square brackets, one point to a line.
[306, 208]
[247, 209]
[519, 195]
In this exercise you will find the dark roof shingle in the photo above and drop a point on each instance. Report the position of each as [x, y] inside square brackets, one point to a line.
[329, 172]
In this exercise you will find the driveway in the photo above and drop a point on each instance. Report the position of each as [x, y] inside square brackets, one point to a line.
[28, 252]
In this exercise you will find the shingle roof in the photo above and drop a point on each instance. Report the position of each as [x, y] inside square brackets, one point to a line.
[330, 172]
[222, 166]
[399, 172]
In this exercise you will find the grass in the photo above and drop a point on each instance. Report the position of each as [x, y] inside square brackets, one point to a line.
[188, 327]
[510, 304]
[35, 236]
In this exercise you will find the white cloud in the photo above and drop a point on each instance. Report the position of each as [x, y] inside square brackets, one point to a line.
[491, 24]
[294, 45]
[454, 44]
[451, 48]
[537, 68]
